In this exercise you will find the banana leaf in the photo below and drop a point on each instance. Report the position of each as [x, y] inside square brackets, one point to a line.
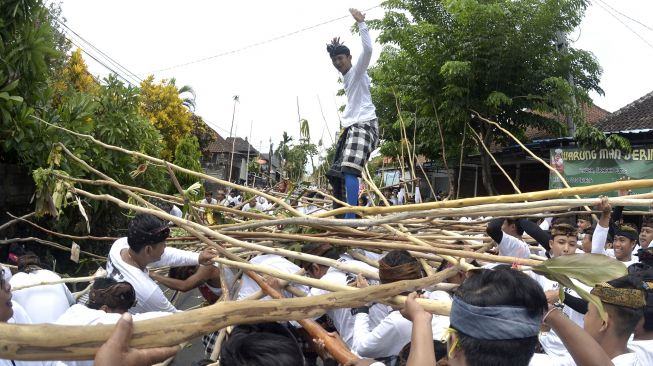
[589, 269]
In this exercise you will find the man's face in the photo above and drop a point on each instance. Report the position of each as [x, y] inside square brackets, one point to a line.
[563, 245]
[593, 322]
[252, 204]
[645, 236]
[587, 243]
[208, 197]
[6, 309]
[583, 224]
[155, 251]
[623, 247]
[509, 228]
[342, 63]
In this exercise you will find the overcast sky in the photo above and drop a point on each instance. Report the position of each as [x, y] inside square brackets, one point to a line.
[156, 37]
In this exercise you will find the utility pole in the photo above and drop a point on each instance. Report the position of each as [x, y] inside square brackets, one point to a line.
[236, 99]
[562, 44]
[248, 145]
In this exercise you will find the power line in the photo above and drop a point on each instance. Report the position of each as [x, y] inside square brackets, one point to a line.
[599, 3]
[130, 82]
[626, 16]
[253, 44]
[104, 55]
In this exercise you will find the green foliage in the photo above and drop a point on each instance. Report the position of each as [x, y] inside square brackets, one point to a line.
[204, 134]
[443, 59]
[298, 157]
[187, 155]
[589, 269]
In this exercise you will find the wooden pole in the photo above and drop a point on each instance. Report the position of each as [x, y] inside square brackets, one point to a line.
[35, 342]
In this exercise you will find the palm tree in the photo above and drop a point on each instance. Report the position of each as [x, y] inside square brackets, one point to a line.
[187, 100]
[283, 149]
[186, 94]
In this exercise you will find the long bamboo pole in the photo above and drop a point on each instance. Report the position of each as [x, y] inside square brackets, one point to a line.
[35, 342]
[436, 307]
[509, 198]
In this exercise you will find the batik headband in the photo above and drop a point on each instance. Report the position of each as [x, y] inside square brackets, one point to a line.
[627, 297]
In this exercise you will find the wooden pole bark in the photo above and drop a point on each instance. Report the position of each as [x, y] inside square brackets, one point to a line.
[35, 342]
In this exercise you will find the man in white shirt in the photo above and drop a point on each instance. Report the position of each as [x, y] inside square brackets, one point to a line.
[57, 297]
[342, 319]
[507, 234]
[386, 339]
[646, 232]
[623, 300]
[624, 240]
[361, 131]
[249, 286]
[108, 300]
[208, 200]
[145, 246]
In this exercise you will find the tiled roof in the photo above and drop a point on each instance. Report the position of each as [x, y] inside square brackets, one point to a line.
[225, 145]
[635, 116]
[593, 114]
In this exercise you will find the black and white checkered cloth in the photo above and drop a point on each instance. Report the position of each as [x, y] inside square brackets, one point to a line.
[354, 147]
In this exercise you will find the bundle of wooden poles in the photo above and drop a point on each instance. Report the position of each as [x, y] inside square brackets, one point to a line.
[431, 232]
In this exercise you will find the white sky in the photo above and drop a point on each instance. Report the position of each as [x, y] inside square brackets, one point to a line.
[147, 35]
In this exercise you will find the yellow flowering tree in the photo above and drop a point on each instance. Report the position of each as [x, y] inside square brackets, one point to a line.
[162, 105]
[74, 76]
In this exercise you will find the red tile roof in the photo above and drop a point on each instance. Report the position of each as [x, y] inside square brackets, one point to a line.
[635, 116]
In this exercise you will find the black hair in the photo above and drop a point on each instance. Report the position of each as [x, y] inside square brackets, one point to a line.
[28, 262]
[204, 362]
[336, 48]
[439, 348]
[645, 273]
[146, 229]
[264, 344]
[518, 227]
[103, 282]
[398, 257]
[182, 273]
[121, 297]
[331, 253]
[501, 287]
[626, 318]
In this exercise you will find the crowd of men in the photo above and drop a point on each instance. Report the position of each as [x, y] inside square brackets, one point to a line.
[499, 315]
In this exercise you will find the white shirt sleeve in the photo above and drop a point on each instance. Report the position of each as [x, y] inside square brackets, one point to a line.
[159, 302]
[546, 223]
[598, 239]
[366, 56]
[374, 343]
[176, 258]
[513, 247]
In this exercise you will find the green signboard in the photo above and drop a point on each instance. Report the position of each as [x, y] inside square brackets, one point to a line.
[583, 167]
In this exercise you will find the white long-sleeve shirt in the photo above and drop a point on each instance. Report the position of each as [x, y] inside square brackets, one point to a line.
[599, 238]
[149, 296]
[342, 318]
[393, 332]
[359, 106]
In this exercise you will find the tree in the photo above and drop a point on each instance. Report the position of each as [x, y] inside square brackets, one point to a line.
[204, 134]
[187, 155]
[444, 59]
[161, 104]
[283, 150]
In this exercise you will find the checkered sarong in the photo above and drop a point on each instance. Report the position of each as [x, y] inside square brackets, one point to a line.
[354, 147]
